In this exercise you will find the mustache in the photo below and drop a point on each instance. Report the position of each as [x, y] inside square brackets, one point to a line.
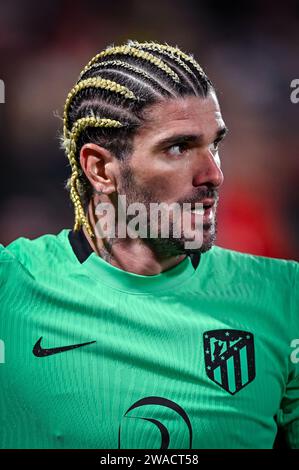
[202, 193]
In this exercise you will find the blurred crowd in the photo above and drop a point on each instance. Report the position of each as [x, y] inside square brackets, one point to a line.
[249, 51]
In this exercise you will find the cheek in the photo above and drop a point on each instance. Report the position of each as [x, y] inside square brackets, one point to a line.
[169, 188]
[160, 185]
[167, 181]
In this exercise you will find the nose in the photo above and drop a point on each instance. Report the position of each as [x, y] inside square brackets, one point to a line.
[208, 171]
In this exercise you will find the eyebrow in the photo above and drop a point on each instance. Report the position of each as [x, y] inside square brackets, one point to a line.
[188, 138]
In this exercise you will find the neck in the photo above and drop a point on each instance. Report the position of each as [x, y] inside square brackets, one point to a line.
[128, 254]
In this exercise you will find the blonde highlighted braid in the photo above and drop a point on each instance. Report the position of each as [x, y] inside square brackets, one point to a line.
[165, 47]
[106, 104]
[164, 51]
[118, 63]
[97, 82]
[78, 127]
[134, 52]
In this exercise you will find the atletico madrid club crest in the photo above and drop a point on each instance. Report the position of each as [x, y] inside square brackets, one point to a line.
[229, 358]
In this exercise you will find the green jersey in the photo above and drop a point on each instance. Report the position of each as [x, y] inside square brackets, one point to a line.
[200, 356]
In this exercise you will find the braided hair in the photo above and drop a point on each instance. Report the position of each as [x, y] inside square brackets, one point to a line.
[106, 104]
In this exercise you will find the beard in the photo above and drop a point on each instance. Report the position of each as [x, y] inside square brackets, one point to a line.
[169, 246]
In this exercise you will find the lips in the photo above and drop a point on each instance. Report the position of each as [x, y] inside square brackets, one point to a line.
[207, 204]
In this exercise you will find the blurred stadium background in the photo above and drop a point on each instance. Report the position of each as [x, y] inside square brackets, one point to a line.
[250, 51]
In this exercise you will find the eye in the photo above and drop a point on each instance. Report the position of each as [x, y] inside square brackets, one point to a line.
[177, 150]
[215, 146]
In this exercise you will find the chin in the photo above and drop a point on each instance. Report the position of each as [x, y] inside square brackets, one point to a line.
[209, 238]
[168, 247]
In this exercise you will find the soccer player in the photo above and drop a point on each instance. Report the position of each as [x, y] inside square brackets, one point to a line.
[122, 341]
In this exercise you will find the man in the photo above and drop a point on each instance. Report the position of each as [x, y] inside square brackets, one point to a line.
[133, 339]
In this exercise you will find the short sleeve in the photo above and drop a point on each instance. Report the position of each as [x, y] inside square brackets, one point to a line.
[288, 416]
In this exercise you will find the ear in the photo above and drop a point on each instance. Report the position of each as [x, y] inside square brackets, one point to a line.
[99, 166]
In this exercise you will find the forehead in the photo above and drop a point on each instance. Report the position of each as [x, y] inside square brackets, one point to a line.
[190, 114]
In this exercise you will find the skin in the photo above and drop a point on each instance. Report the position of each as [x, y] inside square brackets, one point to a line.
[156, 171]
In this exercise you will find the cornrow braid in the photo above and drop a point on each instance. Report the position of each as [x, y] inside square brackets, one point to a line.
[96, 82]
[107, 104]
[134, 52]
[179, 61]
[175, 50]
[131, 68]
[170, 54]
[117, 63]
[78, 127]
[177, 54]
